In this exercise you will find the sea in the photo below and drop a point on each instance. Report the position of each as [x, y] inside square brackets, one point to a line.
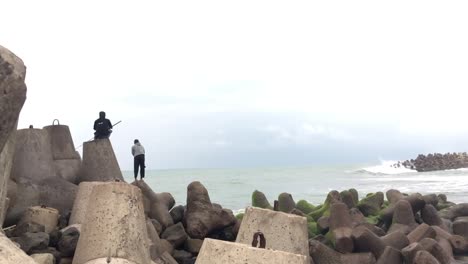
[232, 188]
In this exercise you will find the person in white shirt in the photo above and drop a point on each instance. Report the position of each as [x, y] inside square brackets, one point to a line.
[138, 152]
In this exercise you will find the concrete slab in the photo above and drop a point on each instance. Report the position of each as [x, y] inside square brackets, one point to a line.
[115, 225]
[282, 231]
[221, 252]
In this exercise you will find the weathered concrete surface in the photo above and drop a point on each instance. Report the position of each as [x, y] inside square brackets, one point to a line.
[99, 162]
[12, 92]
[6, 162]
[68, 169]
[115, 225]
[61, 142]
[285, 232]
[43, 258]
[12, 97]
[52, 192]
[112, 261]
[221, 252]
[33, 156]
[80, 205]
[48, 217]
[10, 253]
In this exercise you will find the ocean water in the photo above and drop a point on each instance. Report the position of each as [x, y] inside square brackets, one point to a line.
[232, 188]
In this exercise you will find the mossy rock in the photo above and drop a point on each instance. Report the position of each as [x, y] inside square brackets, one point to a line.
[324, 210]
[239, 216]
[374, 219]
[312, 229]
[355, 195]
[348, 199]
[371, 204]
[259, 200]
[305, 206]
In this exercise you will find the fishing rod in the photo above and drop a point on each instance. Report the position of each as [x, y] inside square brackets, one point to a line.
[93, 137]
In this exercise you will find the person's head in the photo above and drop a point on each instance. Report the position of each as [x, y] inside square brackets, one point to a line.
[136, 141]
[102, 114]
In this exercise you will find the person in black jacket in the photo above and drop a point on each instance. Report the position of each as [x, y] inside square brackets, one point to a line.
[103, 126]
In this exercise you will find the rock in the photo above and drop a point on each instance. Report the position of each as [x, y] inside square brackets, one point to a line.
[43, 258]
[435, 250]
[420, 232]
[166, 246]
[33, 241]
[175, 234]
[68, 242]
[54, 238]
[460, 226]
[322, 254]
[409, 252]
[165, 258]
[22, 228]
[340, 228]
[348, 198]
[201, 217]
[182, 256]
[52, 192]
[371, 204]
[365, 241]
[390, 256]
[193, 245]
[324, 210]
[259, 200]
[424, 257]
[454, 211]
[415, 200]
[177, 213]
[50, 250]
[403, 218]
[361, 258]
[12, 98]
[66, 261]
[286, 203]
[304, 206]
[430, 216]
[397, 240]
[157, 226]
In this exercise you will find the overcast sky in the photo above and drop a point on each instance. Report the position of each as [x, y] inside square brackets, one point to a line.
[248, 83]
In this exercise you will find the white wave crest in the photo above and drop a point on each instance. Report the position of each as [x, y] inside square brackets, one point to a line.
[387, 167]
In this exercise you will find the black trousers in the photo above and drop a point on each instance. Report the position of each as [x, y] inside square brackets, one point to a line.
[139, 163]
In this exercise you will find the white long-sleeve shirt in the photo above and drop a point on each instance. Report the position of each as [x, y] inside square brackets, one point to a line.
[137, 149]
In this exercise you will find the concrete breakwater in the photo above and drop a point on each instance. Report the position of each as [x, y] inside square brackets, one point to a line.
[436, 161]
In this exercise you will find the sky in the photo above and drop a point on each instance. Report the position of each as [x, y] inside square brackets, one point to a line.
[205, 84]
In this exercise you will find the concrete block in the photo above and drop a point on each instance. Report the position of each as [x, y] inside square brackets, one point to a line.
[11, 253]
[61, 142]
[33, 156]
[115, 225]
[80, 205]
[110, 261]
[221, 252]
[43, 258]
[282, 231]
[99, 162]
[48, 217]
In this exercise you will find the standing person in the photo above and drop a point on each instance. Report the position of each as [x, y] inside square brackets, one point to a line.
[138, 152]
[103, 126]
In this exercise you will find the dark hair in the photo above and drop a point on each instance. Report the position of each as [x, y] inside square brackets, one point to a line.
[136, 141]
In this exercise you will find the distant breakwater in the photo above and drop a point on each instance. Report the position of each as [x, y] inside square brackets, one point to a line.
[435, 162]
